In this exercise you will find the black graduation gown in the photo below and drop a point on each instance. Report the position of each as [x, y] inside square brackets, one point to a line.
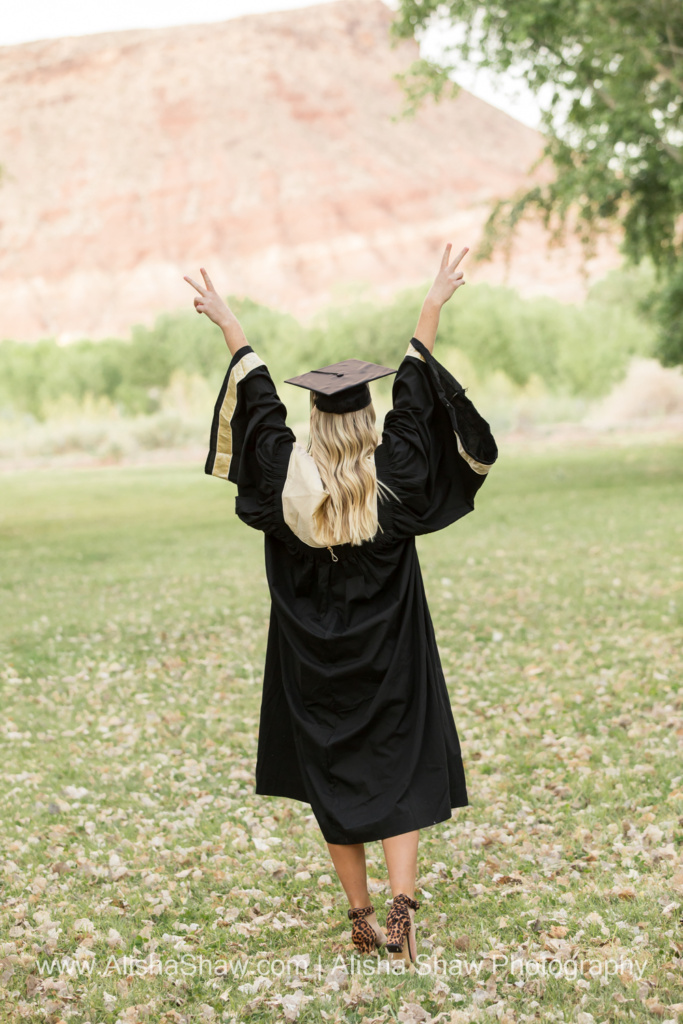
[355, 715]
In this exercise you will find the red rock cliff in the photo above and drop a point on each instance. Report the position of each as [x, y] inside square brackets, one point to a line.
[264, 148]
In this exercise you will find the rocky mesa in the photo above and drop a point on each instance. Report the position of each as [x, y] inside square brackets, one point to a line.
[269, 148]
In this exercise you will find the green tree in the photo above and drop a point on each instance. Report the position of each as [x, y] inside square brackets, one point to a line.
[614, 72]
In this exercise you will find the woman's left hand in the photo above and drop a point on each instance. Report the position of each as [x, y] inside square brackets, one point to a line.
[209, 302]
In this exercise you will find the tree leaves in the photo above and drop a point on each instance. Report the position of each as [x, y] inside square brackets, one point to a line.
[613, 127]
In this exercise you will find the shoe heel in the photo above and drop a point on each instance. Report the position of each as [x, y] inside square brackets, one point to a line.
[399, 927]
[363, 935]
[402, 952]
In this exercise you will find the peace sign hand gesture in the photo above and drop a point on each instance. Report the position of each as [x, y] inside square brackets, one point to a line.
[449, 279]
[209, 302]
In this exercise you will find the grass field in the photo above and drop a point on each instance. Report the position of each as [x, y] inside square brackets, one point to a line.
[137, 865]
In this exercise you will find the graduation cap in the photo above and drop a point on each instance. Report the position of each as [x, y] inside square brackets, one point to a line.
[341, 387]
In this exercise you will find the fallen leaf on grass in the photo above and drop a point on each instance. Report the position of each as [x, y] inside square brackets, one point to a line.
[413, 1013]
[623, 892]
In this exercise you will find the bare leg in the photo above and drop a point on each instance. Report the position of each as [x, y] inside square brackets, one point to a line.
[349, 863]
[400, 853]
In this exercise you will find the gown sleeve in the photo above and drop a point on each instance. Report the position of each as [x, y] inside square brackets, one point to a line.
[438, 449]
[250, 441]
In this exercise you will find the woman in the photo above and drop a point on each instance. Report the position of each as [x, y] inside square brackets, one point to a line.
[355, 715]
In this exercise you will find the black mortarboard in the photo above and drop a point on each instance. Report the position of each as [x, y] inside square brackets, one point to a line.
[341, 387]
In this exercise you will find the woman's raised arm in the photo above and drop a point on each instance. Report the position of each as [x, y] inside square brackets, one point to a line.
[211, 304]
[446, 282]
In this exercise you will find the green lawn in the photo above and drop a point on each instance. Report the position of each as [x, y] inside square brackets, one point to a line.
[134, 855]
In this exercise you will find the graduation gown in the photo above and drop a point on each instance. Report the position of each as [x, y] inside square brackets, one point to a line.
[355, 716]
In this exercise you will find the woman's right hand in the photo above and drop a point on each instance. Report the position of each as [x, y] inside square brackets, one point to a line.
[449, 278]
[447, 281]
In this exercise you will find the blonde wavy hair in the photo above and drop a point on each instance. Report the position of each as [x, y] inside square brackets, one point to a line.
[342, 446]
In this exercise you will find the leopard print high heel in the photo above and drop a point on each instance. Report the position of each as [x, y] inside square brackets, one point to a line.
[363, 935]
[399, 926]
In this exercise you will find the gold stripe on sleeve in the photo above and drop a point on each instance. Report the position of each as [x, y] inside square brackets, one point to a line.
[478, 467]
[412, 351]
[221, 466]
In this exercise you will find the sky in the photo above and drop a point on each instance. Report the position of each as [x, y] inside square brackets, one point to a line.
[48, 19]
